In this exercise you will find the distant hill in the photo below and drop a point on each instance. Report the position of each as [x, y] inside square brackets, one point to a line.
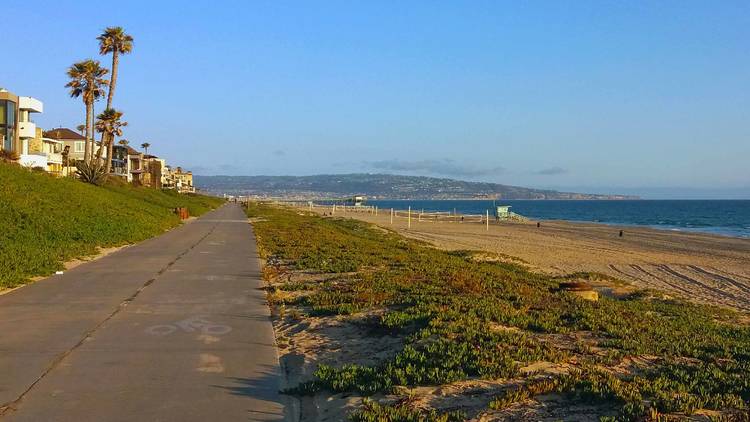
[383, 186]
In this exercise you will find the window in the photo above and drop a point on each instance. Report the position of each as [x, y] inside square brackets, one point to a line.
[7, 124]
[80, 146]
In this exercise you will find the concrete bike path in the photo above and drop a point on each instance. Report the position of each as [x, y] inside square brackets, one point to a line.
[175, 328]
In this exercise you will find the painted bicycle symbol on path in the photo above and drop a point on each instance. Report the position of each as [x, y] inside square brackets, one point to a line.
[197, 323]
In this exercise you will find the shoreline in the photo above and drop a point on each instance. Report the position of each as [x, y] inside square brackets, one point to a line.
[664, 228]
[741, 232]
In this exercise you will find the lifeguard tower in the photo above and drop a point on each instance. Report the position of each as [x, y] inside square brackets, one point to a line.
[502, 212]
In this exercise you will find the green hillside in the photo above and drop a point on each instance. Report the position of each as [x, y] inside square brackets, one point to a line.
[45, 221]
[381, 186]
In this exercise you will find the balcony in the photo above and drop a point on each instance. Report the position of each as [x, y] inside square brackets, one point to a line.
[30, 104]
[26, 130]
[34, 160]
[45, 157]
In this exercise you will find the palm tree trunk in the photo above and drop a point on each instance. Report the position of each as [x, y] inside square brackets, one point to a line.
[110, 141]
[110, 95]
[87, 143]
[113, 79]
[100, 150]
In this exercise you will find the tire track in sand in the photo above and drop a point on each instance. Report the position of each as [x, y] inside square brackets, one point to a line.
[662, 280]
[621, 272]
[715, 292]
[728, 280]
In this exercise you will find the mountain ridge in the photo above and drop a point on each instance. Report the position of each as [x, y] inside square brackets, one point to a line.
[379, 185]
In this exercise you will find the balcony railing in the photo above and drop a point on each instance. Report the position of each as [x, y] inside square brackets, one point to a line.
[27, 130]
[52, 157]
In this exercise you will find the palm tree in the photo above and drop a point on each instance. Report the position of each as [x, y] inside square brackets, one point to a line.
[81, 128]
[87, 81]
[114, 40]
[124, 142]
[109, 124]
[145, 146]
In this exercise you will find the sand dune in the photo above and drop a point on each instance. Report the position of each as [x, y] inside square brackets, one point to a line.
[699, 267]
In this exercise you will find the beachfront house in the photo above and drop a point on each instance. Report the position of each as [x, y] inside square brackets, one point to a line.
[20, 136]
[183, 181]
[16, 125]
[177, 179]
[42, 153]
[75, 144]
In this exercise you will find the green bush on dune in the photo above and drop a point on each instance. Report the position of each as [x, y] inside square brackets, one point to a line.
[45, 221]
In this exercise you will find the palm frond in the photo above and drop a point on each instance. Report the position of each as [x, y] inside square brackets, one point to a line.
[114, 39]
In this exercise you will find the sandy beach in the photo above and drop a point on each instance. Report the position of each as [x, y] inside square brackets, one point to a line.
[703, 268]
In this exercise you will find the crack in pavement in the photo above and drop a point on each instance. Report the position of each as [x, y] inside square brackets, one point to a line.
[11, 406]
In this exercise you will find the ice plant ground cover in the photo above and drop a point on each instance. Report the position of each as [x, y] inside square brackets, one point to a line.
[639, 356]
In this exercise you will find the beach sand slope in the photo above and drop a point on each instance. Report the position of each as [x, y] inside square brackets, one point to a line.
[702, 268]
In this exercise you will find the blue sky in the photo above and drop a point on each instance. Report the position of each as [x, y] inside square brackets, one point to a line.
[591, 95]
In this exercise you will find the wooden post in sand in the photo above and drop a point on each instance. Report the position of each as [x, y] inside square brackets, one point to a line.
[391, 215]
[408, 224]
[488, 220]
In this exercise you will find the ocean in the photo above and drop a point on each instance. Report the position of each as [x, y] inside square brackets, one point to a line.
[722, 217]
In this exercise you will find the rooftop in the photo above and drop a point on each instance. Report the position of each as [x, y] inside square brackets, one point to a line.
[63, 133]
[132, 151]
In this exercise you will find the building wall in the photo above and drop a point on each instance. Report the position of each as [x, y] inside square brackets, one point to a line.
[36, 144]
[152, 175]
[135, 166]
[77, 148]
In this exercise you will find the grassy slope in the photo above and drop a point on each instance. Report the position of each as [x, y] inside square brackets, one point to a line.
[445, 305]
[45, 221]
